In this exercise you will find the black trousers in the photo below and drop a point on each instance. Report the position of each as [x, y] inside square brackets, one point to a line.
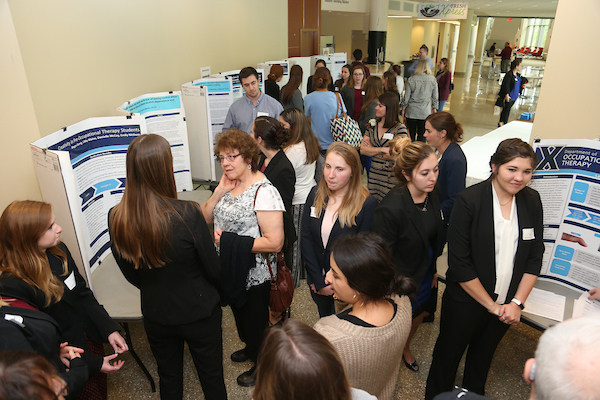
[205, 342]
[416, 129]
[252, 318]
[506, 111]
[461, 325]
[325, 304]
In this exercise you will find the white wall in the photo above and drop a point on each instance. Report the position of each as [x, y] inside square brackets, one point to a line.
[341, 27]
[503, 31]
[398, 39]
[18, 124]
[83, 59]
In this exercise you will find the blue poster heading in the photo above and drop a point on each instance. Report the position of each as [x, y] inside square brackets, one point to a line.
[568, 158]
[93, 139]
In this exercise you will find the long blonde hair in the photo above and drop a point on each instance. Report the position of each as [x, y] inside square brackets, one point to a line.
[21, 226]
[357, 192]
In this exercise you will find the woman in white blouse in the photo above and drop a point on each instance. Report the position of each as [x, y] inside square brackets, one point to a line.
[495, 248]
[302, 149]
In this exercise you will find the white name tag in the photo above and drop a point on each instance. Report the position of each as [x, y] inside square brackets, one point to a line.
[388, 136]
[15, 318]
[528, 234]
[313, 214]
[261, 114]
[70, 281]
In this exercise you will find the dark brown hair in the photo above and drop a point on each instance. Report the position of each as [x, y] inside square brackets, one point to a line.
[373, 89]
[270, 130]
[509, 149]
[140, 223]
[287, 91]
[246, 72]
[301, 131]
[27, 376]
[297, 363]
[445, 121]
[368, 265]
[321, 78]
[409, 157]
[392, 109]
[21, 226]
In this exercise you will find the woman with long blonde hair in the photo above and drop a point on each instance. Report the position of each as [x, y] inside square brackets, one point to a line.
[340, 205]
[37, 271]
[163, 247]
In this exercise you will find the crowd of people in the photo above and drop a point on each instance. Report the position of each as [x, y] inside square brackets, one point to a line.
[368, 253]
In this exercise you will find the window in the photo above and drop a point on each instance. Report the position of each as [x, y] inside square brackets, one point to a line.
[536, 32]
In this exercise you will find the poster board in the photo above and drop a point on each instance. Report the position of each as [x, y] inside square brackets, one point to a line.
[164, 115]
[285, 64]
[568, 180]
[81, 170]
[237, 85]
[206, 102]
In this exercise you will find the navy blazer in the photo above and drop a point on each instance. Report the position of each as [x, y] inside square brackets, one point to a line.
[315, 256]
[453, 174]
[471, 240]
[399, 223]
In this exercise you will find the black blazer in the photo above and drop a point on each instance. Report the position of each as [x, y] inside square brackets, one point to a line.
[280, 172]
[471, 243]
[315, 256]
[184, 290]
[399, 222]
[39, 333]
[77, 313]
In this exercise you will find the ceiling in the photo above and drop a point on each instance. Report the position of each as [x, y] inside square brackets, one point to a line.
[509, 8]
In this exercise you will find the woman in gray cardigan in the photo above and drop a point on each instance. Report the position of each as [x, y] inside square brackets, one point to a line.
[420, 100]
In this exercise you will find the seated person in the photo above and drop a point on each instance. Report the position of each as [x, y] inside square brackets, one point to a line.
[370, 334]
[297, 363]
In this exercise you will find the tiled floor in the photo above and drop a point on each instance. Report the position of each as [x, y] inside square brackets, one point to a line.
[472, 103]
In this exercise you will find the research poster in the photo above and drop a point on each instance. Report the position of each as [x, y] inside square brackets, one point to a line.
[164, 115]
[220, 97]
[95, 176]
[237, 85]
[568, 180]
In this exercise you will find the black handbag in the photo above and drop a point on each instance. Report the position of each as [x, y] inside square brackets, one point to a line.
[500, 102]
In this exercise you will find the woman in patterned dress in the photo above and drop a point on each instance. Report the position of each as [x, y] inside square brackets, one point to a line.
[376, 143]
[247, 212]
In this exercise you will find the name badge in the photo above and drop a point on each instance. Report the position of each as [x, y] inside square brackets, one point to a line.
[363, 93]
[388, 136]
[528, 234]
[14, 318]
[70, 281]
[261, 114]
[313, 214]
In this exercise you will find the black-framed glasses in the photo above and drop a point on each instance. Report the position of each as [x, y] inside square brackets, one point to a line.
[229, 158]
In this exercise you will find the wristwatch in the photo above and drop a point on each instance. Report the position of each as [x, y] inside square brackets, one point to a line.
[518, 302]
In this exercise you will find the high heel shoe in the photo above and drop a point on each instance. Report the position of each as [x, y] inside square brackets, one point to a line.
[412, 366]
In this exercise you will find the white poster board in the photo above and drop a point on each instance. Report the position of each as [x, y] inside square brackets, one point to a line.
[164, 115]
[206, 102]
[90, 158]
[568, 180]
[266, 67]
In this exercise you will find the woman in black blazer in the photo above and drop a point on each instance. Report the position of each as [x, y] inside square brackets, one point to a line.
[38, 272]
[495, 248]
[339, 205]
[163, 247]
[410, 221]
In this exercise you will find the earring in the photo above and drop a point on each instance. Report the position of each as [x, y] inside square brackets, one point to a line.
[249, 166]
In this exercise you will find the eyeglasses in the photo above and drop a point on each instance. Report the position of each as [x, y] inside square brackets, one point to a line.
[229, 158]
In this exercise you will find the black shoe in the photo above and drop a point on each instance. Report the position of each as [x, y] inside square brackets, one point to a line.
[413, 367]
[239, 356]
[248, 378]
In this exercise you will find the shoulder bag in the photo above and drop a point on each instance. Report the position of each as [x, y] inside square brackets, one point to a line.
[343, 128]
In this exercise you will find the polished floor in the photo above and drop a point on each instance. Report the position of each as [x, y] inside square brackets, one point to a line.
[472, 103]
